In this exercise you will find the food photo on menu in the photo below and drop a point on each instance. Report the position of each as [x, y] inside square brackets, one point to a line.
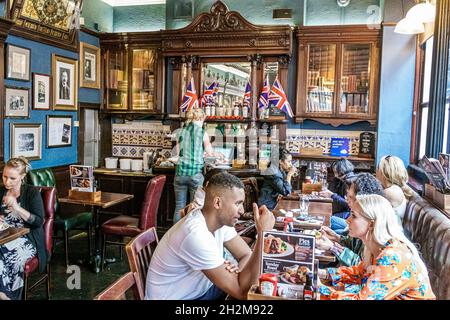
[82, 178]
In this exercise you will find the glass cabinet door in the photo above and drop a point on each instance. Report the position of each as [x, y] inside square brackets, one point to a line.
[116, 82]
[320, 78]
[143, 85]
[355, 79]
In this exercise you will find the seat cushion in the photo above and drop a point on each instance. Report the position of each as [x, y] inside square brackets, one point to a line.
[122, 225]
[73, 220]
[31, 265]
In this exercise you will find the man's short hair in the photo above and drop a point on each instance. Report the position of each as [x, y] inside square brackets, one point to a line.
[210, 173]
[225, 180]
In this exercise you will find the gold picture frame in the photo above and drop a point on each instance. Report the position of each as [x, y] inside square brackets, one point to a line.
[26, 140]
[65, 83]
[89, 66]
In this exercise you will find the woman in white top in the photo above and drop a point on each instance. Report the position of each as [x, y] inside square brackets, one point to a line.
[393, 177]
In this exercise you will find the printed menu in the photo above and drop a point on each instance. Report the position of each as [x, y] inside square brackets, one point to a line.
[82, 178]
[291, 257]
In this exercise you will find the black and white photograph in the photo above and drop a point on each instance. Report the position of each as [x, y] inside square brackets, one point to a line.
[26, 140]
[89, 66]
[59, 131]
[41, 91]
[17, 102]
[18, 63]
[65, 89]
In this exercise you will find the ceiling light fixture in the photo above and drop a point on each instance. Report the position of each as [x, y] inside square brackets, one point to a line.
[415, 18]
[343, 3]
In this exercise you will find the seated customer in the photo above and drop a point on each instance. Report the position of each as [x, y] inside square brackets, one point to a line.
[188, 261]
[349, 250]
[391, 267]
[277, 179]
[393, 176]
[22, 207]
[343, 176]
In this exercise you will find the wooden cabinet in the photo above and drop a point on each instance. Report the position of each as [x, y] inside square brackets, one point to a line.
[338, 74]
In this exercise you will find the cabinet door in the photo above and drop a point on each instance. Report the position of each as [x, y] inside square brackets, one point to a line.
[144, 66]
[320, 79]
[355, 91]
[117, 80]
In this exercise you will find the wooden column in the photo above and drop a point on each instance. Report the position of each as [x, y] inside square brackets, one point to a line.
[177, 81]
[439, 72]
[255, 61]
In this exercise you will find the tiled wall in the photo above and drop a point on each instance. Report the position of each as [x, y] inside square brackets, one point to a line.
[132, 139]
[297, 139]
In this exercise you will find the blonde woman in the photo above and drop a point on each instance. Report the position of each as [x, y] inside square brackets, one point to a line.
[393, 177]
[22, 206]
[391, 268]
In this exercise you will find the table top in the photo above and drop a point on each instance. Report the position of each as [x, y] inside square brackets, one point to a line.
[11, 234]
[107, 200]
[324, 209]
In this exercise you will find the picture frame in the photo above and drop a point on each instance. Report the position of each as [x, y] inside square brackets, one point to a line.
[59, 131]
[90, 66]
[17, 63]
[65, 83]
[17, 102]
[42, 91]
[26, 140]
[183, 9]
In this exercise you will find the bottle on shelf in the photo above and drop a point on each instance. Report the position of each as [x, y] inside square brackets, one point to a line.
[236, 110]
[244, 111]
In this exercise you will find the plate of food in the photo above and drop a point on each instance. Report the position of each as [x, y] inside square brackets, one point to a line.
[4, 226]
[75, 172]
[295, 274]
[276, 247]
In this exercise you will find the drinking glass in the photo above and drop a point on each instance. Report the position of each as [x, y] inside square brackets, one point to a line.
[304, 205]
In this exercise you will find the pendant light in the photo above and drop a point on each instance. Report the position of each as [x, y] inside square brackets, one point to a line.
[423, 12]
[409, 26]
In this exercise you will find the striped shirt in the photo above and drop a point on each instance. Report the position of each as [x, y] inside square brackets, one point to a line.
[190, 140]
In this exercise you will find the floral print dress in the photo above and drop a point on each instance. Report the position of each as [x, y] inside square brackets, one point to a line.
[13, 256]
[393, 276]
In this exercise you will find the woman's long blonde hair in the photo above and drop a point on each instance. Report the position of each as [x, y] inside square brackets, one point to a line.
[393, 171]
[386, 227]
[19, 163]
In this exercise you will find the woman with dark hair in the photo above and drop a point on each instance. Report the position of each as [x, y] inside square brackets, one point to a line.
[277, 179]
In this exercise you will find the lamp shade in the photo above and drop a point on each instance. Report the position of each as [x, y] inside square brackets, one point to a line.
[423, 12]
[407, 26]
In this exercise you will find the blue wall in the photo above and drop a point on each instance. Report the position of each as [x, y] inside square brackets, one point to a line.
[41, 62]
[396, 95]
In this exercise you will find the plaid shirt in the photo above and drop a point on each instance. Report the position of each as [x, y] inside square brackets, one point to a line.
[190, 141]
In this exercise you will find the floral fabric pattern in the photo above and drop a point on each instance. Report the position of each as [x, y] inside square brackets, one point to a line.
[393, 276]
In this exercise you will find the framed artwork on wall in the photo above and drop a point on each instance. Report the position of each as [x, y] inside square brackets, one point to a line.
[42, 88]
[17, 104]
[65, 83]
[90, 66]
[59, 131]
[26, 140]
[18, 63]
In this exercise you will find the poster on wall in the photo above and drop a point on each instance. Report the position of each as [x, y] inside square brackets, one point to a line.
[59, 131]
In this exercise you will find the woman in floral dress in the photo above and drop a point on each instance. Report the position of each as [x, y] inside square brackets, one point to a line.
[21, 206]
[391, 267]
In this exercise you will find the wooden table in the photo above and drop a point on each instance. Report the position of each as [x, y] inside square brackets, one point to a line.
[107, 200]
[11, 234]
[316, 208]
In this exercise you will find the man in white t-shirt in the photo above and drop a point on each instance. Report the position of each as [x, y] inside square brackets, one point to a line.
[188, 262]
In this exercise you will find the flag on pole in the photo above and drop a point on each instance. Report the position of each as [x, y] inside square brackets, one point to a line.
[263, 101]
[278, 98]
[190, 99]
[208, 94]
[247, 93]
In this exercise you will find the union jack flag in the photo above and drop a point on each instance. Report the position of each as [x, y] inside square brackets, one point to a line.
[248, 88]
[208, 94]
[263, 101]
[190, 99]
[278, 98]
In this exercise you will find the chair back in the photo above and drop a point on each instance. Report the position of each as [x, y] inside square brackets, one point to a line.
[150, 206]
[43, 177]
[140, 251]
[49, 199]
[117, 290]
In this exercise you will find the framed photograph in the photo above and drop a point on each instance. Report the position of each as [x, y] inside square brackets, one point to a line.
[42, 88]
[59, 131]
[26, 140]
[183, 9]
[65, 83]
[17, 104]
[18, 63]
[90, 66]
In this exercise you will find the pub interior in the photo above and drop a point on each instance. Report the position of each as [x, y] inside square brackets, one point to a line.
[240, 150]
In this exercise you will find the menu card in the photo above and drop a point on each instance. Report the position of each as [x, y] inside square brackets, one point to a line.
[366, 144]
[82, 178]
[340, 147]
[291, 257]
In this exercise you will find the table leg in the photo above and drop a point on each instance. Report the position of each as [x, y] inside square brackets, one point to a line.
[97, 251]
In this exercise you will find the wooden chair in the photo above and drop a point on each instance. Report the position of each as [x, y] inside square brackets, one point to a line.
[139, 252]
[118, 289]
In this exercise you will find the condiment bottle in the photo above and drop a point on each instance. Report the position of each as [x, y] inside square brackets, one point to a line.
[308, 291]
[308, 179]
[288, 222]
[268, 283]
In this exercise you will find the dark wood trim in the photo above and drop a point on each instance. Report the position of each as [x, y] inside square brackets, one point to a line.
[89, 31]
[89, 105]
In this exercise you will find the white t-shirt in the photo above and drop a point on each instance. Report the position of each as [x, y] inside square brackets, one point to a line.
[175, 271]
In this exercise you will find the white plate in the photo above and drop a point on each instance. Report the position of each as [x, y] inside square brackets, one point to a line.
[223, 166]
[4, 226]
[289, 251]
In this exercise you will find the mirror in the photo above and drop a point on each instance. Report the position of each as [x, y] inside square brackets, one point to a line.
[232, 78]
[271, 70]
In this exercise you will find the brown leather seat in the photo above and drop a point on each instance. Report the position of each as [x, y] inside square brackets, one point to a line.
[126, 226]
[429, 229]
